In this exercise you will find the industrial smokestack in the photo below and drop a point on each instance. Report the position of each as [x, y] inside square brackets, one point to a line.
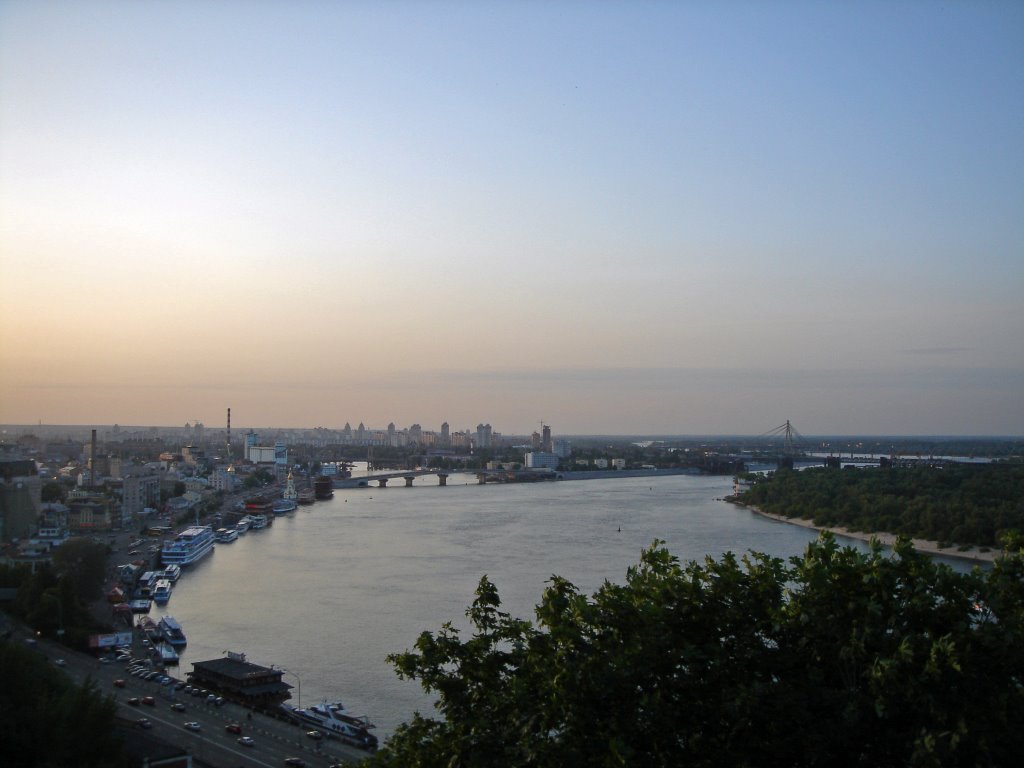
[92, 462]
[229, 435]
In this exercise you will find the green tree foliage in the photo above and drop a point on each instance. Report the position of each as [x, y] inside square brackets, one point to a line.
[48, 721]
[968, 504]
[84, 563]
[53, 491]
[836, 658]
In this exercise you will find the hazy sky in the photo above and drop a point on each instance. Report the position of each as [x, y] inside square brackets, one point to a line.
[648, 217]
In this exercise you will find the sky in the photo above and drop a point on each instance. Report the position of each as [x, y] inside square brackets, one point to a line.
[615, 218]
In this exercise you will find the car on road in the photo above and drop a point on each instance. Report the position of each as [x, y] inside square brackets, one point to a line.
[149, 701]
[178, 706]
[60, 663]
[134, 701]
[295, 762]
[315, 735]
[144, 722]
[233, 728]
[246, 741]
[119, 683]
[193, 726]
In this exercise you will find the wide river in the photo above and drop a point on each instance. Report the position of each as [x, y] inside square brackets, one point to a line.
[328, 591]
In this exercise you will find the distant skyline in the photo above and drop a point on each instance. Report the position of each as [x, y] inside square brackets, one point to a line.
[618, 218]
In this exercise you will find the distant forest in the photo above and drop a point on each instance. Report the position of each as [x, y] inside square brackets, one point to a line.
[955, 504]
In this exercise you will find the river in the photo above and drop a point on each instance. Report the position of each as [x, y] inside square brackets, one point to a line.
[328, 591]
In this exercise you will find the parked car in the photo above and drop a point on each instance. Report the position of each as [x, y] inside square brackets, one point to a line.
[144, 722]
[193, 726]
[134, 701]
[178, 706]
[60, 663]
[233, 728]
[315, 735]
[119, 683]
[149, 701]
[295, 762]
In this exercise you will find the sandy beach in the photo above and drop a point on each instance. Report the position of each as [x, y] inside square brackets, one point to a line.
[921, 545]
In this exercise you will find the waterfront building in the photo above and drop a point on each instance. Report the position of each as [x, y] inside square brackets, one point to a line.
[242, 681]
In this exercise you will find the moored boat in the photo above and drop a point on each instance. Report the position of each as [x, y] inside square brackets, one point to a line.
[323, 487]
[284, 506]
[258, 522]
[162, 591]
[167, 654]
[189, 546]
[333, 719]
[171, 631]
[172, 572]
[306, 496]
[226, 535]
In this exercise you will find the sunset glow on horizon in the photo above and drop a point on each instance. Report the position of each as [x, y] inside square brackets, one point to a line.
[619, 218]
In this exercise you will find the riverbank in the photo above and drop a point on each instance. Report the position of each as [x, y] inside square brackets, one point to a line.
[974, 554]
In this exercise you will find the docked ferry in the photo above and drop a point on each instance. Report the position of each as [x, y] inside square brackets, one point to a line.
[333, 719]
[171, 631]
[162, 591]
[192, 544]
[172, 572]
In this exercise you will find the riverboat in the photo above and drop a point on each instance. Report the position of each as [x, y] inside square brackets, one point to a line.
[332, 718]
[162, 591]
[323, 488]
[189, 546]
[141, 605]
[172, 572]
[243, 525]
[168, 655]
[171, 632]
[306, 496]
[226, 535]
[258, 522]
[284, 506]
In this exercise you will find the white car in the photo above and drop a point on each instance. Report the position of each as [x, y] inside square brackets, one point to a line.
[60, 663]
[193, 726]
[246, 741]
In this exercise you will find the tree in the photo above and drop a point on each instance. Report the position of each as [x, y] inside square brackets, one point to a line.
[84, 563]
[52, 492]
[46, 720]
[838, 657]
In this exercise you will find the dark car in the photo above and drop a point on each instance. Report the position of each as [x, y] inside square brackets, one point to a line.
[178, 706]
[134, 701]
[119, 683]
[295, 762]
[149, 701]
[233, 728]
[144, 722]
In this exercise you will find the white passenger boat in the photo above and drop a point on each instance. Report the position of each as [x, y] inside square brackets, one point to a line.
[172, 572]
[257, 522]
[243, 525]
[225, 535]
[332, 718]
[192, 544]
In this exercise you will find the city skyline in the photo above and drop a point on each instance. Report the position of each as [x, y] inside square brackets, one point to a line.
[649, 218]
